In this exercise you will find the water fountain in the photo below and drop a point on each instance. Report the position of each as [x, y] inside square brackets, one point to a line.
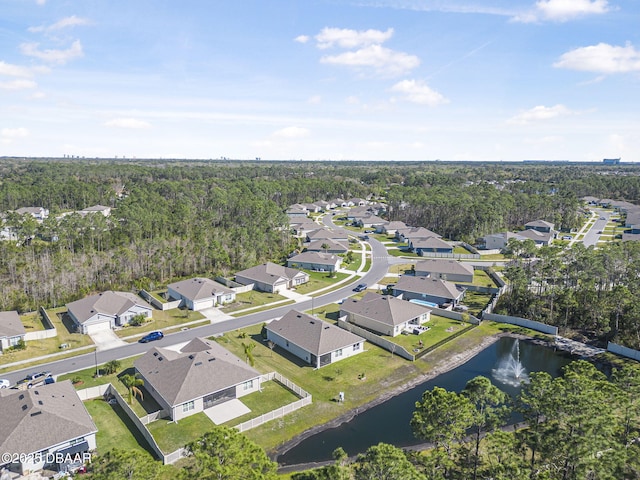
[510, 370]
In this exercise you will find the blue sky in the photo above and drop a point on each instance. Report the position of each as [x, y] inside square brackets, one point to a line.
[321, 80]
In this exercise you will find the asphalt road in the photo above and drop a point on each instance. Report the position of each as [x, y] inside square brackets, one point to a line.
[379, 266]
[592, 236]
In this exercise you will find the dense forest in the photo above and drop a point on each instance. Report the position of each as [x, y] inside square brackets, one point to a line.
[174, 219]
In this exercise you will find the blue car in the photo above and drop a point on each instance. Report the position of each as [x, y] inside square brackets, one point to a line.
[150, 337]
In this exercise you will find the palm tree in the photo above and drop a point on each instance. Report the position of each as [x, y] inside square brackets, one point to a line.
[248, 349]
[132, 382]
[111, 366]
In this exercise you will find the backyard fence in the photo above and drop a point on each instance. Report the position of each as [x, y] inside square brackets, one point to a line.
[160, 305]
[624, 351]
[522, 322]
[377, 340]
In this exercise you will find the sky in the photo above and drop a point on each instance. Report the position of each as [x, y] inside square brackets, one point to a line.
[485, 80]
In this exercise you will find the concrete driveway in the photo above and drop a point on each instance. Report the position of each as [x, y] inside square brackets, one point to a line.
[106, 340]
[214, 315]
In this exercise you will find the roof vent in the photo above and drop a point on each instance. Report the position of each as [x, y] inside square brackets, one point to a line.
[155, 354]
[24, 407]
[40, 402]
[197, 364]
[312, 322]
[21, 397]
[191, 357]
[159, 359]
[36, 413]
[212, 359]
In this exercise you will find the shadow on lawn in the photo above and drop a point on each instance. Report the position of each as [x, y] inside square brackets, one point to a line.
[118, 410]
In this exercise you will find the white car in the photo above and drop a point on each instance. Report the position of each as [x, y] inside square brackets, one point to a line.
[4, 383]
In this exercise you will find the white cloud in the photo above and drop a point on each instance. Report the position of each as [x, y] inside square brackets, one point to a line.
[41, 2]
[14, 70]
[7, 135]
[72, 21]
[419, 92]
[382, 60]
[352, 100]
[347, 38]
[130, 123]
[292, 132]
[18, 84]
[563, 10]
[302, 39]
[315, 100]
[52, 56]
[601, 58]
[540, 113]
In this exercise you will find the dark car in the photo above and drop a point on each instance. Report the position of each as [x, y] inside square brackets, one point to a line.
[360, 288]
[150, 337]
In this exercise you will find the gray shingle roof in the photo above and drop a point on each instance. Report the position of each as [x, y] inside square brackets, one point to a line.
[312, 334]
[201, 367]
[428, 242]
[319, 258]
[106, 303]
[333, 246]
[269, 273]
[41, 417]
[428, 286]
[444, 266]
[384, 309]
[10, 324]
[199, 288]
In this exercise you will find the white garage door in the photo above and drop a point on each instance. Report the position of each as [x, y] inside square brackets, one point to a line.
[98, 327]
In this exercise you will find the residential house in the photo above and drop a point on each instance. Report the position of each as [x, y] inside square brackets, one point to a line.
[540, 238]
[11, 330]
[105, 211]
[324, 262]
[198, 376]
[422, 245]
[384, 314]
[295, 212]
[356, 201]
[325, 234]
[39, 213]
[107, 310]
[316, 342]
[327, 246]
[272, 278]
[302, 225]
[498, 241]
[632, 220]
[200, 293]
[540, 226]
[427, 289]
[590, 200]
[338, 202]
[406, 234]
[445, 269]
[390, 228]
[312, 207]
[368, 221]
[42, 425]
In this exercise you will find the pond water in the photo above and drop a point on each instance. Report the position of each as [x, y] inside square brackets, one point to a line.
[388, 422]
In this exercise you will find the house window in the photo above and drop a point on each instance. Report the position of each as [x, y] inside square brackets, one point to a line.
[248, 385]
[338, 352]
[287, 344]
[356, 347]
[187, 407]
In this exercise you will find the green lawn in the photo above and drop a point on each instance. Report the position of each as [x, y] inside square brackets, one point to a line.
[47, 346]
[318, 280]
[355, 264]
[252, 299]
[115, 429]
[162, 319]
[439, 329]
[492, 256]
[171, 436]
[272, 396]
[476, 302]
[32, 321]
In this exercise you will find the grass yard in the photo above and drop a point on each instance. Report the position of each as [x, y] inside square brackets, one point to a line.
[460, 250]
[161, 320]
[252, 299]
[355, 264]
[492, 256]
[476, 301]
[171, 436]
[439, 329]
[482, 279]
[32, 321]
[318, 280]
[115, 429]
[272, 396]
[401, 252]
[47, 346]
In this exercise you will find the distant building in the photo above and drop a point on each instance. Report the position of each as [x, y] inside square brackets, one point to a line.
[611, 161]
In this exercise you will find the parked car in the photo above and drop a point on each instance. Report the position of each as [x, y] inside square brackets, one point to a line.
[150, 337]
[4, 383]
[360, 287]
[33, 380]
[567, 237]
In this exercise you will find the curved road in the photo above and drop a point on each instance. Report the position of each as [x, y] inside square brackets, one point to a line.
[379, 265]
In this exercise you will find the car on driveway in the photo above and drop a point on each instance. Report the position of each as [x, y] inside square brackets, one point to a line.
[360, 287]
[4, 383]
[150, 337]
[33, 380]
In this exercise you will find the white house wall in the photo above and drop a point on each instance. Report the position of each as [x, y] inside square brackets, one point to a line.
[289, 347]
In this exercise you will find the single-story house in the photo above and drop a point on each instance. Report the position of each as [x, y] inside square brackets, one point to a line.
[43, 424]
[106, 211]
[590, 200]
[327, 262]
[296, 212]
[11, 330]
[368, 221]
[445, 269]
[272, 278]
[632, 220]
[406, 234]
[200, 293]
[327, 246]
[198, 376]
[540, 238]
[326, 234]
[390, 228]
[540, 226]
[432, 290]
[107, 310]
[39, 213]
[315, 341]
[498, 241]
[357, 202]
[429, 245]
[302, 225]
[384, 314]
[338, 202]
